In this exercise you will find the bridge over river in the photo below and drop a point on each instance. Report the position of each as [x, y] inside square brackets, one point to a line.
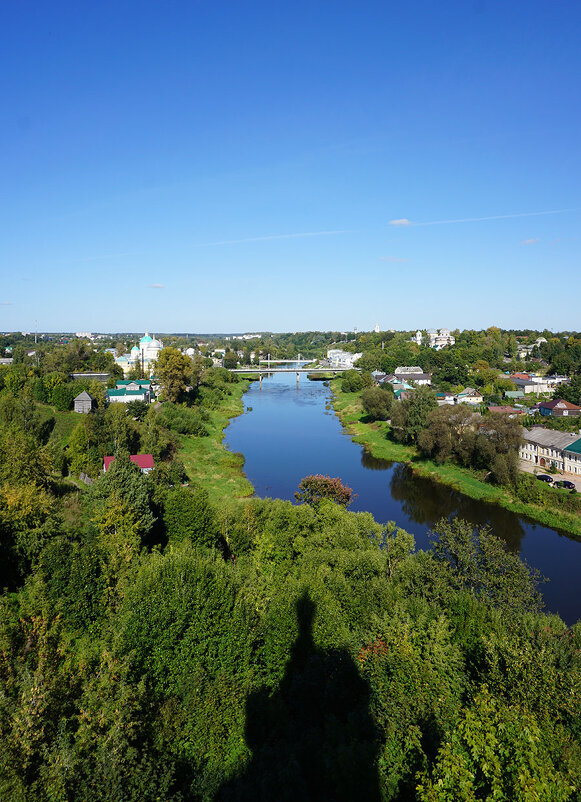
[266, 371]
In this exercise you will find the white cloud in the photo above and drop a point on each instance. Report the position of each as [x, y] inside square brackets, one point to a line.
[156, 286]
[402, 221]
[392, 259]
[531, 241]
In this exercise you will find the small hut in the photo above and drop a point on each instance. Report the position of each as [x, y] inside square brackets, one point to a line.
[84, 403]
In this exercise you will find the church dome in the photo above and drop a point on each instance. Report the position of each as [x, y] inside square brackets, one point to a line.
[135, 349]
[146, 338]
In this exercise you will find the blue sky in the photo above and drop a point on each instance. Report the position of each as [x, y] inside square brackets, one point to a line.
[227, 166]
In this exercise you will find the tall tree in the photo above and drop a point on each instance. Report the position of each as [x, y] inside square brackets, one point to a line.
[174, 371]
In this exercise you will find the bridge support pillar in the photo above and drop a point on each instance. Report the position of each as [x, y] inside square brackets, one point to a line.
[298, 374]
[260, 381]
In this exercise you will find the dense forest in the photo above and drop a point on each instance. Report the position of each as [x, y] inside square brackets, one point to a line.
[157, 646]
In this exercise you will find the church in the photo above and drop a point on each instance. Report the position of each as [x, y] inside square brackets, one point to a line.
[144, 354]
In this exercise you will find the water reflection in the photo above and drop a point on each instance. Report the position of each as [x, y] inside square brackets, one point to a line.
[374, 463]
[424, 501]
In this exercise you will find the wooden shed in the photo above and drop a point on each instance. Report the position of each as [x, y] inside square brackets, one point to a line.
[84, 403]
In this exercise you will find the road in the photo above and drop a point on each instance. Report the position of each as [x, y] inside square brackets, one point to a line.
[526, 466]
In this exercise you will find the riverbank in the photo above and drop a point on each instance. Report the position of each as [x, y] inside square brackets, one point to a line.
[208, 463]
[373, 437]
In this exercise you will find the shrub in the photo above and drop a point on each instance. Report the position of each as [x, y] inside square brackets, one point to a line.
[184, 420]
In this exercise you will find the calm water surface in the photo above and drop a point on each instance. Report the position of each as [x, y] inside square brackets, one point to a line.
[290, 433]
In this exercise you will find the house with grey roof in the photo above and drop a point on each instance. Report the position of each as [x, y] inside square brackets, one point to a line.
[412, 373]
[549, 448]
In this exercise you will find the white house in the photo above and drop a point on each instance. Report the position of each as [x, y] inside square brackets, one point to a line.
[342, 359]
[412, 373]
[441, 339]
[470, 396]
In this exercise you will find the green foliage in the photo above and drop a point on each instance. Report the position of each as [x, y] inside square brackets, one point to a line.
[63, 395]
[460, 434]
[137, 409]
[174, 371]
[187, 514]
[377, 402]
[410, 417]
[481, 564]
[497, 751]
[184, 420]
[353, 381]
[122, 500]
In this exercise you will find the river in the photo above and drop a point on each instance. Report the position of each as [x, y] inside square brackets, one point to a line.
[287, 433]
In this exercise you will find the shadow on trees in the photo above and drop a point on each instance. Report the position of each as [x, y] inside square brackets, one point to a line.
[313, 739]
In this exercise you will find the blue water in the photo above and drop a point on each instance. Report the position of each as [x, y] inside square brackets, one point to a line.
[290, 433]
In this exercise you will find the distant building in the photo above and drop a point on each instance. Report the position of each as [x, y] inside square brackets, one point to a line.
[143, 355]
[100, 377]
[83, 403]
[525, 351]
[143, 461]
[342, 359]
[413, 373]
[437, 339]
[443, 399]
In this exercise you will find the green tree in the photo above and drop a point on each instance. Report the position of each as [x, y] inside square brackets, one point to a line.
[174, 371]
[410, 417]
[230, 359]
[353, 381]
[496, 751]
[481, 564]
[377, 402]
[187, 514]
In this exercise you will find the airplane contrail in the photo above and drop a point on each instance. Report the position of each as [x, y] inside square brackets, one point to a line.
[405, 222]
[273, 236]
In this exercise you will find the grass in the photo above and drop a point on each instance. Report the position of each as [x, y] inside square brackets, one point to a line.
[65, 422]
[374, 437]
[208, 463]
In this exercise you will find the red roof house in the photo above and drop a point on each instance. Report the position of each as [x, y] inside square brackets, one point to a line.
[559, 408]
[143, 461]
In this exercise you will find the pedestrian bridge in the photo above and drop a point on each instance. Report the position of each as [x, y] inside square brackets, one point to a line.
[267, 371]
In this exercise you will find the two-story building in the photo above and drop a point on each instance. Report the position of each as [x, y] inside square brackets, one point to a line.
[548, 448]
